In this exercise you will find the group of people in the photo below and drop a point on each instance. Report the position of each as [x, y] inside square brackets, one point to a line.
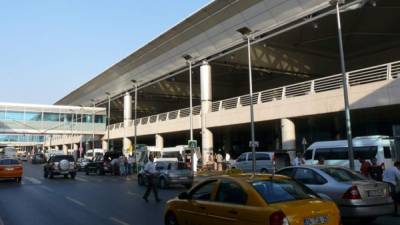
[217, 162]
[121, 166]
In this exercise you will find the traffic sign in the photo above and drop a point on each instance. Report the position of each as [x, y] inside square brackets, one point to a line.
[255, 144]
[192, 144]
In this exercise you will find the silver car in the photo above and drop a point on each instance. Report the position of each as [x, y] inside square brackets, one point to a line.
[170, 173]
[355, 195]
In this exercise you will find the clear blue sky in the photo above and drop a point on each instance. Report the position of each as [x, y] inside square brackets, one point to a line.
[48, 48]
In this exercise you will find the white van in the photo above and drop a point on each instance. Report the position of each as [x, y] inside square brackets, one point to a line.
[266, 162]
[335, 153]
[92, 153]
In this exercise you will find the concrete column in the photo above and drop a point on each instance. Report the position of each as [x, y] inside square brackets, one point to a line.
[104, 145]
[76, 147]
[159, 141]
[206, 97]
[126, 145]
[127, 108]
[65, 149]
[288, 135]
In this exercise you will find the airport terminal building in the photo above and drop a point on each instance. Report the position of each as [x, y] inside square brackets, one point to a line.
[296, 77]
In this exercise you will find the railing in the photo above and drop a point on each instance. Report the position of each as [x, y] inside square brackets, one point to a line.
[357, 77]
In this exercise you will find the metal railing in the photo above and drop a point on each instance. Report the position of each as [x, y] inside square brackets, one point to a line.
[357, 77]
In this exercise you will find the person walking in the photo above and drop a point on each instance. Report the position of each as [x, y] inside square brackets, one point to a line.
[121, 163]
[375, 171]
[365, 167]
[391, 176]
[151, 175]
[299, 160]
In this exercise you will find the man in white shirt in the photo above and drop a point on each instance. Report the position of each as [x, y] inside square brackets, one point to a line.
[392, 177]
[151, 175]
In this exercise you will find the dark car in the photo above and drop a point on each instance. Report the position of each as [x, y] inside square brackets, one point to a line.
[60, 165]
[104, 164]
[170, 173]
[38, 158]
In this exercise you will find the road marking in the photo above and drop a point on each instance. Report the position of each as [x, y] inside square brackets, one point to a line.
[76, 201]
[33, 180]
[47, 188]
[81, 179]
[1, 221]
[133, 194]
[118, 221]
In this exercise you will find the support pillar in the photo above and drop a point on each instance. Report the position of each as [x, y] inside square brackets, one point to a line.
[65, 149]
[288, 136]
[206, 97]
[76, 147]
[127, 109]
[126, 146]
[104, 145]
[159, 141]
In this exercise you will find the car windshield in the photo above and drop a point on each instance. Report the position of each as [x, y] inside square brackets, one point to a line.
[274, 191]
[342, 175]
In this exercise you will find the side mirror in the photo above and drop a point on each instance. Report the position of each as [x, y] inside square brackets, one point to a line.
[184, 195]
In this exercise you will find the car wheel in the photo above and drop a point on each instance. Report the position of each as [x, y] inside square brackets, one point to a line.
[51, 175]
[72, 175]
[45, 174]
[18, 179]
[263, 170]
[170, 219]
[66, 176]
[98, 172]
[163, 183]
[87, 173]
[140, 180]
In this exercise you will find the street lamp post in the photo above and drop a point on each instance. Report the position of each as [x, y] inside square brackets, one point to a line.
[246, 32]
[134, 82]
[344, 83]
[108, 120]
[93, 121]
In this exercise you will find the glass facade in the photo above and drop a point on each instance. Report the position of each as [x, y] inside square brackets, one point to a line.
[33, 116]
[50, 117]
[15, 115]
[21, 138]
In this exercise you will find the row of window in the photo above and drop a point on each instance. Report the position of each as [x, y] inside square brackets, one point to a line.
[21, 138]
[50, 117]
[366, 152]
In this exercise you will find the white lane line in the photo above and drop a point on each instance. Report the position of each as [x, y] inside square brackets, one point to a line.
[47, 188]
[81, 179]
[118, 221]
[33, 180]
[75, 201]
[133, 194]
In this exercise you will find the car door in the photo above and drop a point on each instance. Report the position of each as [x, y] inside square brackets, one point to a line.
[230, 206]
[195, 211]
[311, 179]
[241, 161]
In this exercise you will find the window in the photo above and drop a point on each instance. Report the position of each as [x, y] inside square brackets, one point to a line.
[241, 158]
[307, 176]
[231, 192]
[2, 115]
[282, 190]
[365, 152]
[342, 175]
[262, 156]
[14, 115]
[99, 119]
[51, 117]
[204, 191]
[286, 172]
[308, 155]
[33, 116]
[87, 118]
[386, 152]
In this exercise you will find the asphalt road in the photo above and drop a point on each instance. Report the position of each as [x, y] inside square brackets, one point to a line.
[87, 200]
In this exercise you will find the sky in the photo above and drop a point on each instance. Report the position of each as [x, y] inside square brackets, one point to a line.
[48, 48]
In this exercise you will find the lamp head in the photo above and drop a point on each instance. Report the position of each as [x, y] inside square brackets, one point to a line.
[245, 31]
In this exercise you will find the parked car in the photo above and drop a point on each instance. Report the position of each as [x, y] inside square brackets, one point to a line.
[355, 195]
[170, 173]
[243, 199]
[38, 158]
[103, 164]
[81, 163]
[11, 169]
[60, 165]
[265, 161]
[335, 153]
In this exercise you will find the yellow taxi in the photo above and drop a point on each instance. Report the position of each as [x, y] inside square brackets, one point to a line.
[244, 199]
[11, 169]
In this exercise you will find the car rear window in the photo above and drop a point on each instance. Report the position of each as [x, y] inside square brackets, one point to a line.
[274, 191]
[177, 166]
[342, 175]
[9, 162]
[58, 158]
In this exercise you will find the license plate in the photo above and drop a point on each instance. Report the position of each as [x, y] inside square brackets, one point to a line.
[316, 220]
[9, 169]
[375, 193]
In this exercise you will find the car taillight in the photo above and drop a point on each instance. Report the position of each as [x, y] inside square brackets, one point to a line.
[278, 218]
[352, 193]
